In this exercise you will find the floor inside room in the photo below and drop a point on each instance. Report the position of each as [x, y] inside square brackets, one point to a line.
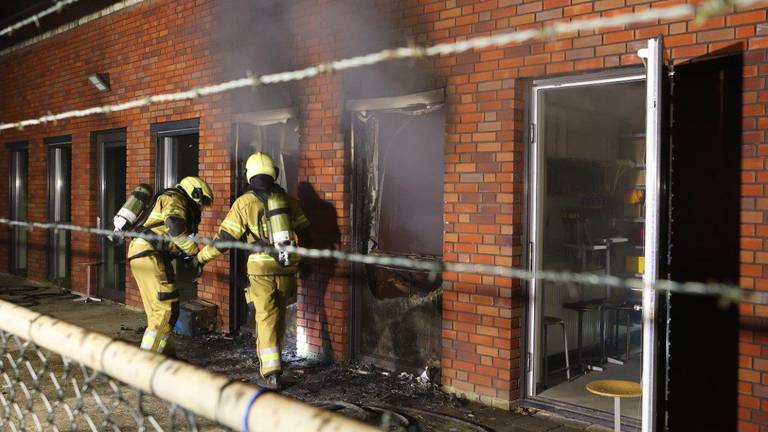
[353, 389]
[575, 392]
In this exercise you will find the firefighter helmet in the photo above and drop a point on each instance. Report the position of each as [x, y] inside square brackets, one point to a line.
[197, 189]
[260, 163]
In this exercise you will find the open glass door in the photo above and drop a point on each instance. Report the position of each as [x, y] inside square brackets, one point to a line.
[594, 209]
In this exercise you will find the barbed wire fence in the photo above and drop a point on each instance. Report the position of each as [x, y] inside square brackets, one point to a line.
[728, 293]
[57, 376]
[60, 377]
[57, 7]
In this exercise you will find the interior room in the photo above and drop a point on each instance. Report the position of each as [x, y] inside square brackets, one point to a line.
[591, 190]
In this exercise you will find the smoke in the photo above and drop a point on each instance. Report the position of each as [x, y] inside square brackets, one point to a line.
[265, 36]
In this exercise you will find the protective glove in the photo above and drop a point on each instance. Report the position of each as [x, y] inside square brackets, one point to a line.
[193, 262]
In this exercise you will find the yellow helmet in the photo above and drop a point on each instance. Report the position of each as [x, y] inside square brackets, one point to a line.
[260, 163]
[197, 189]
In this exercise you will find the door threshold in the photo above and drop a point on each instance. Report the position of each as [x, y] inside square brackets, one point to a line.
[579, 413]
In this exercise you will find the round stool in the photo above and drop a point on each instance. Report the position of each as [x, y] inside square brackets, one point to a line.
[616, 389]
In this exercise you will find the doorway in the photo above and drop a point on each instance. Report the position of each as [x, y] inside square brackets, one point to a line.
[59, 199]
[398, 148]
[275, 132]
[594, 208]
[177, 155]
[17, 186]
[705, 210]
[111, 150]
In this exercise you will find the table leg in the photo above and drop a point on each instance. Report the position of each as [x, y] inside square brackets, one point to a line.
[579, 342]
[602, 334]
[617, 414]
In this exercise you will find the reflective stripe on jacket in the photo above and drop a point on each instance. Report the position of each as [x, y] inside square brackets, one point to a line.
[168, 205]
[242, 223]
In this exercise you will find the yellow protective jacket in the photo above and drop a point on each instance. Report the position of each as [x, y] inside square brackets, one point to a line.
[242, 223]
[168, 205]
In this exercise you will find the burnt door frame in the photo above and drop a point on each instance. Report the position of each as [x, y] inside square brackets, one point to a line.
[104, 140]
[21, 148]
[359, 237]
[55, 145]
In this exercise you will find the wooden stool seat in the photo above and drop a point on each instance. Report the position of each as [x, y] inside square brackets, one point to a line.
[617, 389]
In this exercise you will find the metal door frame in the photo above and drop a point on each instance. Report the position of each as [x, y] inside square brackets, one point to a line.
[21, 147]
[653, 78]
[114, 138]
[53, 144]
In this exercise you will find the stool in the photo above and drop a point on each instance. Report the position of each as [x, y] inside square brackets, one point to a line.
[616, 389]
[580, 308]
[550, 321]
[628, 308]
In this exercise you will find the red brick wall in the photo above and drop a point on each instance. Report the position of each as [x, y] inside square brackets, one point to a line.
[753, 343]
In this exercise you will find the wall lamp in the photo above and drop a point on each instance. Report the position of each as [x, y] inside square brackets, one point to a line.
[100, 81]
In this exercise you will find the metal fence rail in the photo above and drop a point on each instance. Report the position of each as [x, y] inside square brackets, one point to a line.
[58, 376]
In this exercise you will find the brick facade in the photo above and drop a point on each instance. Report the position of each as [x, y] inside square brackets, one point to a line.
[160, 46]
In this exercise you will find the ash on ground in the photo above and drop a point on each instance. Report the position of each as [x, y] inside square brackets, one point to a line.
[394, 401]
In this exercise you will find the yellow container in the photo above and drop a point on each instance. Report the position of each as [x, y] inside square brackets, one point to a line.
[635, 264]
[634, 196]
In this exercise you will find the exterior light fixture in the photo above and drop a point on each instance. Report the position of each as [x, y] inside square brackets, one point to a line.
[100, 81]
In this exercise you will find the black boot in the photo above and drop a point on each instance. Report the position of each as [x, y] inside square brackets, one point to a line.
[272, 382]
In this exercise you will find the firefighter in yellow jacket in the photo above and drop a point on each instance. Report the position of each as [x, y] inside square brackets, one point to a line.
[175, 213]
[265, 215]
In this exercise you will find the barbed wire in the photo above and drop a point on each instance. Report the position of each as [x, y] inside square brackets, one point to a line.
[728, 293]
[35, 19]
[699, 12]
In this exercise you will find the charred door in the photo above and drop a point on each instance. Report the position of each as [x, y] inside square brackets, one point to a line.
[704, 242]
[397, 211]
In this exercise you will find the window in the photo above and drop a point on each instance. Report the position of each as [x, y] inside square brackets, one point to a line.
[18, 207]
[59, 196]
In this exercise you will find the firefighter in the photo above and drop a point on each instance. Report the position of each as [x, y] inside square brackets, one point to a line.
[265, 215]
[175, 213]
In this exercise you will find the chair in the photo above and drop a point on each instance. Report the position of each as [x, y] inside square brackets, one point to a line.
[555, 321]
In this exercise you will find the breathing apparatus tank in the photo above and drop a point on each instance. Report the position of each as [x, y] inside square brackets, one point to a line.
[133, 209]
[279, 227]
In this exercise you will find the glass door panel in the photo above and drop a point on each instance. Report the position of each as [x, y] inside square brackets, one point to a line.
[112, 194]
[59, 190]
[178, 158]
[18, 211]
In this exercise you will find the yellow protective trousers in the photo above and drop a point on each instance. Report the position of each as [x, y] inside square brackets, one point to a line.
[160, 299]
[270, 294]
